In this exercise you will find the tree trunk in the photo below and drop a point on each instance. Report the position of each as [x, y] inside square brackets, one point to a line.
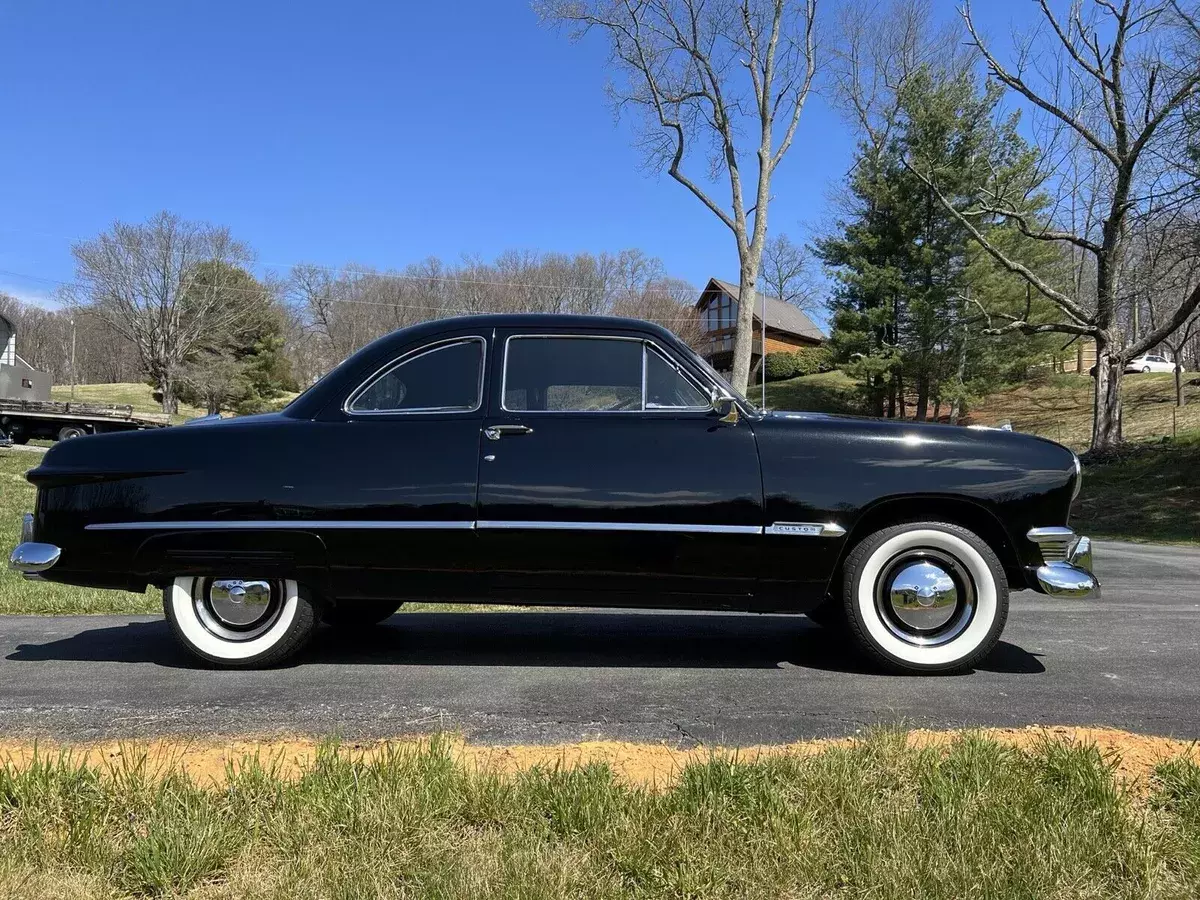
[960, 377]
[1106, 425]
[1178, 379]
[743, 341]
[877, 391]
[891, 408]
[166, 385]
[922, 397]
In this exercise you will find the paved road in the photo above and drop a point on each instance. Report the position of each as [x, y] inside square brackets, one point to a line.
[1130, 660]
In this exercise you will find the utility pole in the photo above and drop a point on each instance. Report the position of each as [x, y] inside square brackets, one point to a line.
[762, 362]
[73, 378]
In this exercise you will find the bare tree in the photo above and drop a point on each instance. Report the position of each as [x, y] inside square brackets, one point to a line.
[787, 273]
[879, 45]
[138, 279]
[330, 313]
[1111, 85]
[729, 77]
[1165, 265]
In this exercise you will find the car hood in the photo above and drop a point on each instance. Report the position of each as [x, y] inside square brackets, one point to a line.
[933, 431]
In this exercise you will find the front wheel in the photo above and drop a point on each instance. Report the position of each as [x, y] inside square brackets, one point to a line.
[239, 622]
[925, 597]
[1145, 370]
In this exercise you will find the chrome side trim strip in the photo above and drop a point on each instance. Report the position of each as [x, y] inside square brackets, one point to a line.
[288, 523]
[618, 526]
[795, 529]
[807, 529]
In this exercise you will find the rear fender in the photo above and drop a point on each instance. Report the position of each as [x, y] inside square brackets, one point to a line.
[239, 553]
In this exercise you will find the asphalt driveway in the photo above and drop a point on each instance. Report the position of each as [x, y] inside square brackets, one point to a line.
[1129, 660]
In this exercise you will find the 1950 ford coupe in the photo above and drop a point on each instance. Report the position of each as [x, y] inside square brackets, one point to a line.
[566, 460]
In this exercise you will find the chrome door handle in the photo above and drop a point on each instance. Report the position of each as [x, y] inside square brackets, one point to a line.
[495, 432]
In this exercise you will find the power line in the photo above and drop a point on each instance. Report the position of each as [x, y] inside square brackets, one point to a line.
[459, 309]
[268, 267]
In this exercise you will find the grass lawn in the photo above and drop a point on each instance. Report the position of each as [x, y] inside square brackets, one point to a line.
[1060, 408]
[1145, 492]
[877, 818]
[830, 392]
[136, 394]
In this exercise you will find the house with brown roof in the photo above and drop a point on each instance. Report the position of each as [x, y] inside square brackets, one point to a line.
[787, 327]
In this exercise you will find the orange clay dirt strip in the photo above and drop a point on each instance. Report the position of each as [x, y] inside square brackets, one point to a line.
[207, 759]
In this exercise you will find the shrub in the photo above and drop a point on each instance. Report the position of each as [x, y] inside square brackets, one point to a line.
[812, 360]
[805, 361]
[779, 366]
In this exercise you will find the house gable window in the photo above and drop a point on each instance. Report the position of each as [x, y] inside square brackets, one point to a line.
[721, 313]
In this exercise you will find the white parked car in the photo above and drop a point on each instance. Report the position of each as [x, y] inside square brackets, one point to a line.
[1149, 363]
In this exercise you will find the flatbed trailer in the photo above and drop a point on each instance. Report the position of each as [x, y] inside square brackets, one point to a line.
[59, 421]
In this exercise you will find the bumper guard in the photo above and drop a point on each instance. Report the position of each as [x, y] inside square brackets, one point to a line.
[1066, 570]
[30, 556]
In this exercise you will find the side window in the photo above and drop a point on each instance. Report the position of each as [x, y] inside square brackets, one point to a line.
[445, 378]
[572, 374]
[586, 374]
[667, 387]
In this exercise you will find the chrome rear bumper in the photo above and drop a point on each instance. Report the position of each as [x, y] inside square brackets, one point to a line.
[1066, 570]
[30, 556]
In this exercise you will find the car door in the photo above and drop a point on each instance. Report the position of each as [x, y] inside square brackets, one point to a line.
[401, 457]
[604, 468]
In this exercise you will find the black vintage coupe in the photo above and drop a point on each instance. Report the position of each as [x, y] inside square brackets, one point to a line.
[566, 460]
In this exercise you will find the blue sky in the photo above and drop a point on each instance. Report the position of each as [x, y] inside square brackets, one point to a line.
[374, 133]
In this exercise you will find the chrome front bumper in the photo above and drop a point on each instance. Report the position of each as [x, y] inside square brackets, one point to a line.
[1066, 569]
[29, 556]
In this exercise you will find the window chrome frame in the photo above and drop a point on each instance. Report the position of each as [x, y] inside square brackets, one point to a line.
[648, 345]
[425, 349]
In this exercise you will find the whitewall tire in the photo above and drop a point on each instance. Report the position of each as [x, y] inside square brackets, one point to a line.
[240, 623]
[925, 597]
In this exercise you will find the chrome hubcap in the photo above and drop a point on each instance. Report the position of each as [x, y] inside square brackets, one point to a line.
[925, 597]
[237, 609]
[237, 602]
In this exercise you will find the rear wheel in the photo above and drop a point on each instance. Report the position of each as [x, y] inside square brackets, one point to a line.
[70, 431]
[925, 597]
[240, 622]
[359, 613]
[1145, 369]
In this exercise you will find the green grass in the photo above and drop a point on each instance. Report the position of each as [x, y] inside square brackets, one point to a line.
[1060, 407]
[1143, 492]
[830, 392]
[874, 820]
[1055, 406]
[136, 394]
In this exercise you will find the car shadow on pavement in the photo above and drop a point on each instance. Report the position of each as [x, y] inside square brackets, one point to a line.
[555, 639]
